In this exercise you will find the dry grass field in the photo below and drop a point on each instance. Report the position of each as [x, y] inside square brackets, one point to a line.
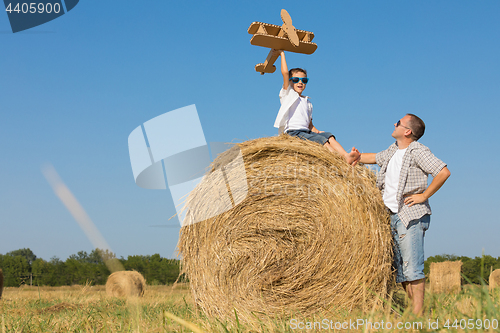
[88, 309]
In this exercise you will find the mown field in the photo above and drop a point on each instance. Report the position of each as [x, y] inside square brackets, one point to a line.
[88, 309]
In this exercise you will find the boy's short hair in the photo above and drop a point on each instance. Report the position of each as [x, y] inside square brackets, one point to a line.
[417, 126]
[295, 70]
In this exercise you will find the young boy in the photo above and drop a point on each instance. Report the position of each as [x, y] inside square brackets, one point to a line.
[295, 115]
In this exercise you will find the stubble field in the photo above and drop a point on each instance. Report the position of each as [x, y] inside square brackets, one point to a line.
[89, 309]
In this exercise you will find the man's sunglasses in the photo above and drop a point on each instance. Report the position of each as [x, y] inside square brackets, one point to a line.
[297, 79]
[399, 124]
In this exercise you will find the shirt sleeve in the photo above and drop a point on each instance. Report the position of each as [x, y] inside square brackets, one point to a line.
[429, 163]
[283, 94]
[380, 157]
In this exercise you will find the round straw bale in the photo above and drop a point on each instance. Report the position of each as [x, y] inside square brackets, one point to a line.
[494, 279]
[125, 284]
[307, 233]
[1, 283]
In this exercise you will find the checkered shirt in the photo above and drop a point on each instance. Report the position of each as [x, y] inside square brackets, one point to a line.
[418, 163]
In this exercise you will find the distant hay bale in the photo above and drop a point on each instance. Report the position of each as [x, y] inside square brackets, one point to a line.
[494, 279]
[1, 283]
[125, 284]
[311, 234]
[445, 277]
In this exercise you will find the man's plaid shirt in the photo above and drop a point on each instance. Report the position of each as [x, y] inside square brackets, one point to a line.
[418, 162]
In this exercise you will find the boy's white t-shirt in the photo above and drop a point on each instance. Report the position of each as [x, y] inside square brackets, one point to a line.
[288, 98]
[299, 115]
[392, 180]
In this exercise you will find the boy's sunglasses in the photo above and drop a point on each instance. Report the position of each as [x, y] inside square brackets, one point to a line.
[297, 79]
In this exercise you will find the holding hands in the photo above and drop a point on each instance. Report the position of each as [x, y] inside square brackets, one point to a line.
[353, 157]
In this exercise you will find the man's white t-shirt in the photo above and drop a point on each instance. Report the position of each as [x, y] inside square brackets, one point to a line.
[299, 115]
[392, 180]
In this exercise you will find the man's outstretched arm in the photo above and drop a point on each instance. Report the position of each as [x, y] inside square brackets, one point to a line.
[435, 185]
[368, 158]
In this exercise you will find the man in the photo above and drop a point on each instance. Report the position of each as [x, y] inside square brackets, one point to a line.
[404, 168]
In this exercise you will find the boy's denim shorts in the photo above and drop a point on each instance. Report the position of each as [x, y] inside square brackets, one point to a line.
[320, 138]
[409, 248]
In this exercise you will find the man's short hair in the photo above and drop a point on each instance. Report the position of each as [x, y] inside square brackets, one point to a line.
[295, 70]
[417, 126]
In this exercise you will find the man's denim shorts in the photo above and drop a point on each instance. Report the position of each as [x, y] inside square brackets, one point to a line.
[320, 138]
[409, 248]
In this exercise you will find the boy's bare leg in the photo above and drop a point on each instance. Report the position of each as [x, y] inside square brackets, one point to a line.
[351, 158]
[415, 291]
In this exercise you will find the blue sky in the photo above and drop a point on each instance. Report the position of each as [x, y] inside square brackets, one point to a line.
[73, 89]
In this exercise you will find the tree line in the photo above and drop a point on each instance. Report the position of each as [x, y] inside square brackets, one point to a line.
[23, 267]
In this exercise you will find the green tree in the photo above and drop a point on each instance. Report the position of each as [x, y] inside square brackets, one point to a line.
[16, 270]
[58, 275]
[81, 256]
[79, 267]
[137, 263]
[155, 269]
[42, 272]
[171, 270]
[26, 253]
[100, 270]
[75, 271]
[105, 255]
[154, 274]
[473, 268]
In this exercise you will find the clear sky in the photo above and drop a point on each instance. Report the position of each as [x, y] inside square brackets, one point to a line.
[73, 89]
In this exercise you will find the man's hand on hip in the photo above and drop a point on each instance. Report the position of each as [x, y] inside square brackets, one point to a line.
[414, 199]
[435, 185]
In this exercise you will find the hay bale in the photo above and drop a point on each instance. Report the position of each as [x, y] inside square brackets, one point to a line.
[445, 277]
[311, 234]
[125, 284]
[494, 279]
[1, 283]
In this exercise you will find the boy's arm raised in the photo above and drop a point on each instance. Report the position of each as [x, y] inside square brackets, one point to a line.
[284, 69]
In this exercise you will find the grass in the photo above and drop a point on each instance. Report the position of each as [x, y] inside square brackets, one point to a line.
[171, 309]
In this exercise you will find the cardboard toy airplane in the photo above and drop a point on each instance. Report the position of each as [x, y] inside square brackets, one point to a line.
[276, 37]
